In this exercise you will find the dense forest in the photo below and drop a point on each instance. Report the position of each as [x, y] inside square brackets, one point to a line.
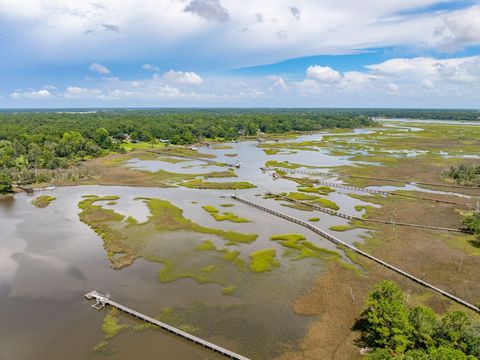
[35, 145]
[437, 114]
[396, 331]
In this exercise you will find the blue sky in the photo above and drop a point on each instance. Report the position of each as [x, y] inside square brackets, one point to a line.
[228, 53]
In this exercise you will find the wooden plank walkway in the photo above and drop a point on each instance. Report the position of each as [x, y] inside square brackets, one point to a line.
[316, 173]
[385, 193]
[103, 300]
[366, 190]
[351, 217]
[337, 241]
[348, 187]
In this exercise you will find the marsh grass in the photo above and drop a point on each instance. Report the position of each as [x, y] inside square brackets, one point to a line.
[235, 237]
[200, 184]
[233, 257]
[301, 207]
[300, 196]
[114, 170]
[209, 269]
[171, 160]
[229, 290]
[176, 150]
[221, 147]
[309, 199]
[206, 246]
[124, 238]
[111, 325]
[43, 201]
[341, 227]
[170, 273]
[101, 347]
[304, 249]
[132, 221]
[263, 261]
[326, 203]
[141, 145]
[219, 174]
[282, 164]
[269, 151]
[226, 216]
[322, 190]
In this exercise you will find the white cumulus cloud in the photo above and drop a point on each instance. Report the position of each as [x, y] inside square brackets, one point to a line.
[278, 81]
[459, 29]
[464, 69]
[182, 78]
[39, 94]
[81, 92]
[323, 74]
[99, 68]
[150, 67]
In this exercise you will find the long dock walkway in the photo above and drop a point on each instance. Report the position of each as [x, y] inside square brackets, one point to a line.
[365, 190]
[102, 300]
[317, 173]
[339, 242]
[351, 217]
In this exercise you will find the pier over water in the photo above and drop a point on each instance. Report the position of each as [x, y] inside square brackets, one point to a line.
[103, 300]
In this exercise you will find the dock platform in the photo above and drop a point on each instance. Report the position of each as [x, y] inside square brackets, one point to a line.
[103, 300]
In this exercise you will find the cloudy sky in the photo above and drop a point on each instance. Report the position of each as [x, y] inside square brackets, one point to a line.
[279, 53]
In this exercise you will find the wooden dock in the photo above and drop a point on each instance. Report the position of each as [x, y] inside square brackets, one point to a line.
[317, 173]
[352, 218]
[339, 242]
[103, 300]
[363, 189]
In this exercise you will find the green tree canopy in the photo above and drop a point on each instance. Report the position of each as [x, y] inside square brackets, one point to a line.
[394, 330]
[386, 318]
[5, 183]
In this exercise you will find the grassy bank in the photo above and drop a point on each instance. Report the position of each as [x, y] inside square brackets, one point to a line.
[43, 201]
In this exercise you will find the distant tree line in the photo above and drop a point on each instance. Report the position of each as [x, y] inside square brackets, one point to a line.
[395, 331]
[424, 114]
[33, 144]
[434, 114]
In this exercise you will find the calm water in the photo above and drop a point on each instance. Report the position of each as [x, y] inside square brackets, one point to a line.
[49, 259]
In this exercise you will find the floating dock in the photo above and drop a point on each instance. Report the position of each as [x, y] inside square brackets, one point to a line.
[103, 300]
